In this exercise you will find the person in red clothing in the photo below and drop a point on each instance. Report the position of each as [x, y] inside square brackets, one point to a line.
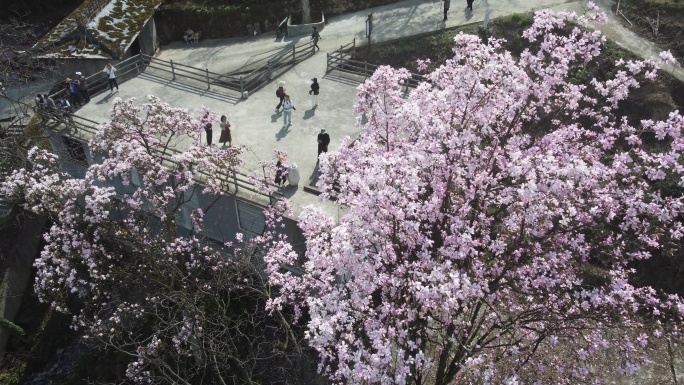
[280, 92]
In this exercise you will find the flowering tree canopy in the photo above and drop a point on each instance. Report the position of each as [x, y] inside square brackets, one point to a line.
[492, 218]
[182, 310]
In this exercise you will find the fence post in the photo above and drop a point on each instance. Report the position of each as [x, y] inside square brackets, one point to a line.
[207, 71]
[293, 54]
[327, 62]
[235, 181]
[173, 71]
[354, 47]
[268, 71]
[242, 87]
[141, 59]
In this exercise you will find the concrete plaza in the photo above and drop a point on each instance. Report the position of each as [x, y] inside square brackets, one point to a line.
[254, 123]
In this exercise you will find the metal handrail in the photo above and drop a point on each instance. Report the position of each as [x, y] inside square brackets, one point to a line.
[243, 181]
[336, 60]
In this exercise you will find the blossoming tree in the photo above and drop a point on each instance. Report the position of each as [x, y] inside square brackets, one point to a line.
[182, 310]
[492, 217]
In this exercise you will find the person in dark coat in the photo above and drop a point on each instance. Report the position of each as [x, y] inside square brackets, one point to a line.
[323, 142]
[447, 4]
[315, 87]
[83, 86]
[470, 4]
[208, 128]
[281, 173]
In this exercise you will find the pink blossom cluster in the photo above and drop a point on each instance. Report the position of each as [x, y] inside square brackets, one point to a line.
[114, 235]
[491, 219]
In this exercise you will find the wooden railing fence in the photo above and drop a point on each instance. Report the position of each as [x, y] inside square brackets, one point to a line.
[341, 60]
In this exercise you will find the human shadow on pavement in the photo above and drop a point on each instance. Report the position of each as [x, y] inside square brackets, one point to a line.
[288, 191]
[275, 116]
[105, 99]
[282, 133]
[308, 114]
[467, 14]
[315, 175]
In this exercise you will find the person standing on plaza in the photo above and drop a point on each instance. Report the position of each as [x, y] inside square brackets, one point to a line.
[280, 92]
[83, 86]
[225, 131]
[208, 128]
[314, 37]
[323, 142]
[447, 4]
[111, 77]
[288, 106]
[315, 87]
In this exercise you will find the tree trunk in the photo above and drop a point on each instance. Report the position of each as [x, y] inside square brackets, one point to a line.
[306, 12]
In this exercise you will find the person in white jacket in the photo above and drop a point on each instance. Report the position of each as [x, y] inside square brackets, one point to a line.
[288, 106]
[111, 77]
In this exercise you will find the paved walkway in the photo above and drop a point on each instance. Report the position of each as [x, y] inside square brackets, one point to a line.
[254, 122]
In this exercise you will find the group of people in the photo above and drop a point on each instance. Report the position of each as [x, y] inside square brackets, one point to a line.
[288, 106]
[77, 90]
[224, 124]
[75, 94]
[48, 107]
[191, 36]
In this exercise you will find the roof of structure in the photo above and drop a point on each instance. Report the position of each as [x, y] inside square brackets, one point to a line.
[98, 29]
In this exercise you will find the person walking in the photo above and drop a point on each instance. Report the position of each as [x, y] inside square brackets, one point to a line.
[111, 77]
[288, 106]
[315, 87]
[225, 131]
[314, 37]
[280, 92]
[83, 86]
[447, 4]
[470, 5]
[323, 142]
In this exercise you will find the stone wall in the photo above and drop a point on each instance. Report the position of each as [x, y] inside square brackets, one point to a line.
[304, 29]
[232, 20]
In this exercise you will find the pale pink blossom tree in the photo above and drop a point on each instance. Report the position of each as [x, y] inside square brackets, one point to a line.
[184, 310]
[492, 215]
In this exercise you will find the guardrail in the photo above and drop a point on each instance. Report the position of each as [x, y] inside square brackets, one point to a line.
[244, 83]
[234, 180]
[341, 60]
